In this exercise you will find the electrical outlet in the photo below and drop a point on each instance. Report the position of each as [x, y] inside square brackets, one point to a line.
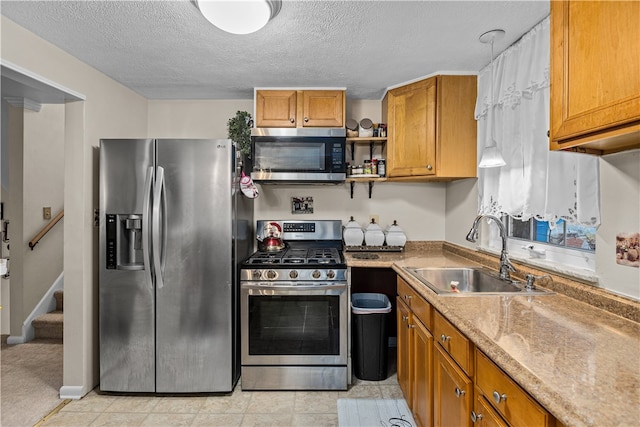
[46, 212]
[374, 218]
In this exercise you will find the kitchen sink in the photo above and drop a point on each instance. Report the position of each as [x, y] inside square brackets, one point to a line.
[470, 281]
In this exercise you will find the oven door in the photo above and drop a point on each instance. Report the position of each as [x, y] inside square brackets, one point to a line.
[294, 324]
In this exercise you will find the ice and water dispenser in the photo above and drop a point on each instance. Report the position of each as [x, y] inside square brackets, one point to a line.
[124, 242]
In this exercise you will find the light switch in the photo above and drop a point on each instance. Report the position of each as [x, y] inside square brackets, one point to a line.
[46, 212]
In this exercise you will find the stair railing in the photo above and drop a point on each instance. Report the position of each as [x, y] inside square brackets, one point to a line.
[45, 230]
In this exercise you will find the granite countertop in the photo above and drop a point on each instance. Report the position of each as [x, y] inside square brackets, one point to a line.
[580, 362]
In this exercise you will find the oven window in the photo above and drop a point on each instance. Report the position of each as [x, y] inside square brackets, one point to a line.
[294, 325]
[289, 156]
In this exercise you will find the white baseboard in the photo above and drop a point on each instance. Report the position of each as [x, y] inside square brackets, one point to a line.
[73, 392]
[47, 303]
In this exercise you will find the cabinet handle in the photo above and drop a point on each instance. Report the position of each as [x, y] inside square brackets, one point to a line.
[460, 393]
[411, 326]
[407, 297]
[292, 120]
[429, 167]
[306, 119]
[405, 318]
[497, 397]
[444, 338]
[475, 417]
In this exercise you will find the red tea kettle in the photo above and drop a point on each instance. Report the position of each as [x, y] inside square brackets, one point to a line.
[271, 239]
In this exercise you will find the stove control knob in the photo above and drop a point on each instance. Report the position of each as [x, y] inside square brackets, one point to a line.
[316, 274]
[256, 274]
[293, 274]
[271, 274]
[331, 274]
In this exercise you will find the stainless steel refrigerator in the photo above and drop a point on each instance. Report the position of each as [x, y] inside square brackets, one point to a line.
[174, 227]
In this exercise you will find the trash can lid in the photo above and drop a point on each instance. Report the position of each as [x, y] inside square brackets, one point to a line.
[369, 303]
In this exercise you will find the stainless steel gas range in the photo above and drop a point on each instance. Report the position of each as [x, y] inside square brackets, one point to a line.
[295, 311]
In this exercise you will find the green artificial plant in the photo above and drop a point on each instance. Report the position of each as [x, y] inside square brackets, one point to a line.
[239, 128]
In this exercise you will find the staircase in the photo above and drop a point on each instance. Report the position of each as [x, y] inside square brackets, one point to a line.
[49, 325]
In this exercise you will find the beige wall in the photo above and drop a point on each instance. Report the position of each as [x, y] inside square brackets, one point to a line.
[620, 201]
[14, 213]
[110, 110]
[43, 185]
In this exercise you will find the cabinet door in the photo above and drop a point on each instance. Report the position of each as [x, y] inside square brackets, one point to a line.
[276, 108]
[485, 415]
[322, 108]
[403, 349]
[422, 373]
[453, 392]
[595, 71]
[411, 142]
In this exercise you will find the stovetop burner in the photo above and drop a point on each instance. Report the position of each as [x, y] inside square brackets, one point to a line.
[297, 256]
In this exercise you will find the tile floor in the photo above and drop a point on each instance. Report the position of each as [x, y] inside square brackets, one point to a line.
[241, 408]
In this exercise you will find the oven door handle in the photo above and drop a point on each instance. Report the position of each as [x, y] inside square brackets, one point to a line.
[271, 288]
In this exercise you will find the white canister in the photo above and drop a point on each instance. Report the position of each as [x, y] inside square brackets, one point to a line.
[395, 235]
[352, 234]
[365, 129]
[373, 235]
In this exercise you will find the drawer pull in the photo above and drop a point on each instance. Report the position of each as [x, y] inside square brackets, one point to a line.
[292, 120]
[459, 392]
[475, 417]
[405, 318]
[407, 297]
[444, 338]
[497, 397]
[411, 326]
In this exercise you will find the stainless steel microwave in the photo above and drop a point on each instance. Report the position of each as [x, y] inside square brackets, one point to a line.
[298, 156]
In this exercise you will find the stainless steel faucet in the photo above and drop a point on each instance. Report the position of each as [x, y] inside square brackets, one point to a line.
[505, 265]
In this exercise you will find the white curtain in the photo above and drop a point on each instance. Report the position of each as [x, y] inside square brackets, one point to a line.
[535, 182]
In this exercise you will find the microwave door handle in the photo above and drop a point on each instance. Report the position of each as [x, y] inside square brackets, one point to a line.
[155, 228]
[146, 215]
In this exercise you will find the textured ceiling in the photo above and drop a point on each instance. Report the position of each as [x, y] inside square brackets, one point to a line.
[167, 50]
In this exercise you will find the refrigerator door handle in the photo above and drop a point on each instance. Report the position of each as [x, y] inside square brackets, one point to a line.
[146, 209]
[155, 228]
[164, 227]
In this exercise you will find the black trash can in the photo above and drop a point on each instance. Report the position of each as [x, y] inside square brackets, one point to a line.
[369, 335]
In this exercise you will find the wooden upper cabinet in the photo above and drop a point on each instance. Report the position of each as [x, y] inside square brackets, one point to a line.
[296, 108]
[595, 75]
[432, 129]
[323, 108]
[276, 108]
[411, 141]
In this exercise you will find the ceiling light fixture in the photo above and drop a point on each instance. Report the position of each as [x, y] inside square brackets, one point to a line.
[491, 157]
[239, 16]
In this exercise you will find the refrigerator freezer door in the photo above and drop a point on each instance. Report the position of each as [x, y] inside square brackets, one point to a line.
[194, 307]
[126, 296]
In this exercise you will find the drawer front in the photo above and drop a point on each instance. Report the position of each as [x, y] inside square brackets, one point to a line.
[513, 403]
[484, 415]
[420, 308]
[454, 342]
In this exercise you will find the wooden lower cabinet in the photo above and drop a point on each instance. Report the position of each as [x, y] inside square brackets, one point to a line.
[506, 397]
[415, 364]
[484, 415]
[404, 349]
[453, 392]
